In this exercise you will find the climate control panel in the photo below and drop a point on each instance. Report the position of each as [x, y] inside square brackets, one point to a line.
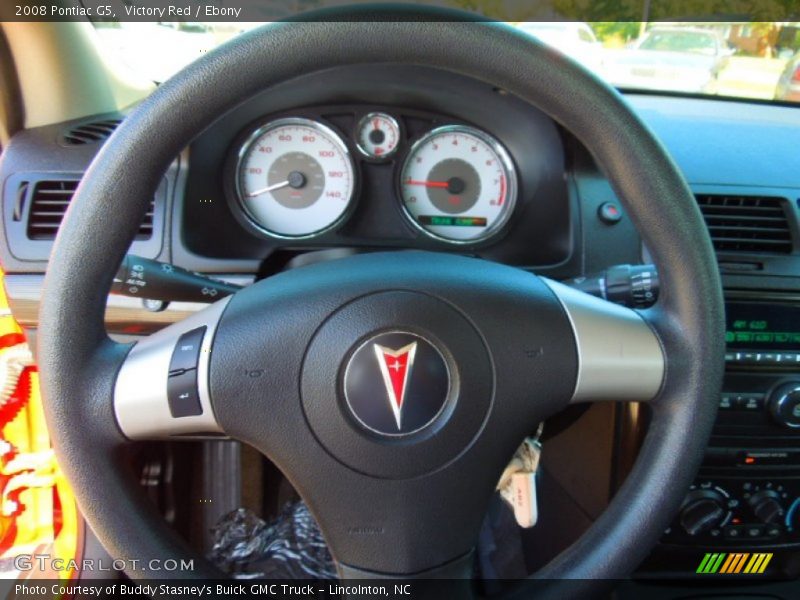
[738, 512]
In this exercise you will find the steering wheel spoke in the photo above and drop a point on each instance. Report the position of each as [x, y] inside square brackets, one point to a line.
[620, 357]
[162, 388]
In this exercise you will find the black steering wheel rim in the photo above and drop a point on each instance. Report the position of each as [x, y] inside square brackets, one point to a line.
[78, 361]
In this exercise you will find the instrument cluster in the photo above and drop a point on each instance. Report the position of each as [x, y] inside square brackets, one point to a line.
[298, 177]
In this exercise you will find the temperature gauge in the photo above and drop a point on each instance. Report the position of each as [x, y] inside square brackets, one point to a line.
[377, 135]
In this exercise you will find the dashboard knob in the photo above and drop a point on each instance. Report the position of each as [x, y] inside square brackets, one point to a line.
[702, 510]
[784, 404]
[767, 507]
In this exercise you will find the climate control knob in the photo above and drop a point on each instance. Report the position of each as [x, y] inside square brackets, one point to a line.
[767, 507]
[784, 404]
[702, 510]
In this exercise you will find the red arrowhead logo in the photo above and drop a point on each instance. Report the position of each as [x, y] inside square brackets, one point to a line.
[396, 367]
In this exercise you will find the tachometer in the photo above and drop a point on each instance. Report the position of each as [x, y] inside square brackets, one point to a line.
[295, 178]
[458, 184]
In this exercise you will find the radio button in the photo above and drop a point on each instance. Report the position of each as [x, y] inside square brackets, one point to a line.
[751, 402]
[748, 402]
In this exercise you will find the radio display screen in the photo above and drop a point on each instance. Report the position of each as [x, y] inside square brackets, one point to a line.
[762, 326]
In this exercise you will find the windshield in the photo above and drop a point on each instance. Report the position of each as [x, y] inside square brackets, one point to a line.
[743, 60]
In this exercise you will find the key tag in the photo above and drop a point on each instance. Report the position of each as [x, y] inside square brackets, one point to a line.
[517, 485]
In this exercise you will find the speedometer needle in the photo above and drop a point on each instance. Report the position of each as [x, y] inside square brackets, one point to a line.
[296, 180]
[270, 188]
[433, 184]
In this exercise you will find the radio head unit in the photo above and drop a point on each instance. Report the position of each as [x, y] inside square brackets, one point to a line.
[762, 335]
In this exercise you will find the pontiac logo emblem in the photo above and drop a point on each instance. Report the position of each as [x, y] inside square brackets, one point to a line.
[396, 383]
[395, 367]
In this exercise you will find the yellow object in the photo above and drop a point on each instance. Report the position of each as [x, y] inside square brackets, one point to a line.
[37, 508]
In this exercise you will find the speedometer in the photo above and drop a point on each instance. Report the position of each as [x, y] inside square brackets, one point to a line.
[295, 178]
[458, 184]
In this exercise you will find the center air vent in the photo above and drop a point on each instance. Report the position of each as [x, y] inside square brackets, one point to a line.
[747, 223]
[90, 133]
[49, 201]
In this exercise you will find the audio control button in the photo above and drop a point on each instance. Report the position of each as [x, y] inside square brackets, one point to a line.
[186, 354]
[753, 402]
[736, 401]
[182, 395]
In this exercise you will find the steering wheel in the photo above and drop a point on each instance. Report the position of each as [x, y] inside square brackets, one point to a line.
[303, 366]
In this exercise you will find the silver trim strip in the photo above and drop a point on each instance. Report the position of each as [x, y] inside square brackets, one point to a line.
[140, 394]
[619, 355]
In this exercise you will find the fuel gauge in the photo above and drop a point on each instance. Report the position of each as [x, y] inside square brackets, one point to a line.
[377, 135]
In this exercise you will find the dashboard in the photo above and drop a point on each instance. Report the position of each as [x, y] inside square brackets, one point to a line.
[296, 178]
[400, 157]
[460, 166]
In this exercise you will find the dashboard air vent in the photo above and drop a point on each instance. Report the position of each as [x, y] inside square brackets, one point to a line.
[90, 133]
[747, 223]
[48, 203]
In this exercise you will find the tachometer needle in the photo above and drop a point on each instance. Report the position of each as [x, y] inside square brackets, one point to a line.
[433, 184]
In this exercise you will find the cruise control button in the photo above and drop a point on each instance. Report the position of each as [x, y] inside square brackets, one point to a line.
[187, 351]
[182, 395]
